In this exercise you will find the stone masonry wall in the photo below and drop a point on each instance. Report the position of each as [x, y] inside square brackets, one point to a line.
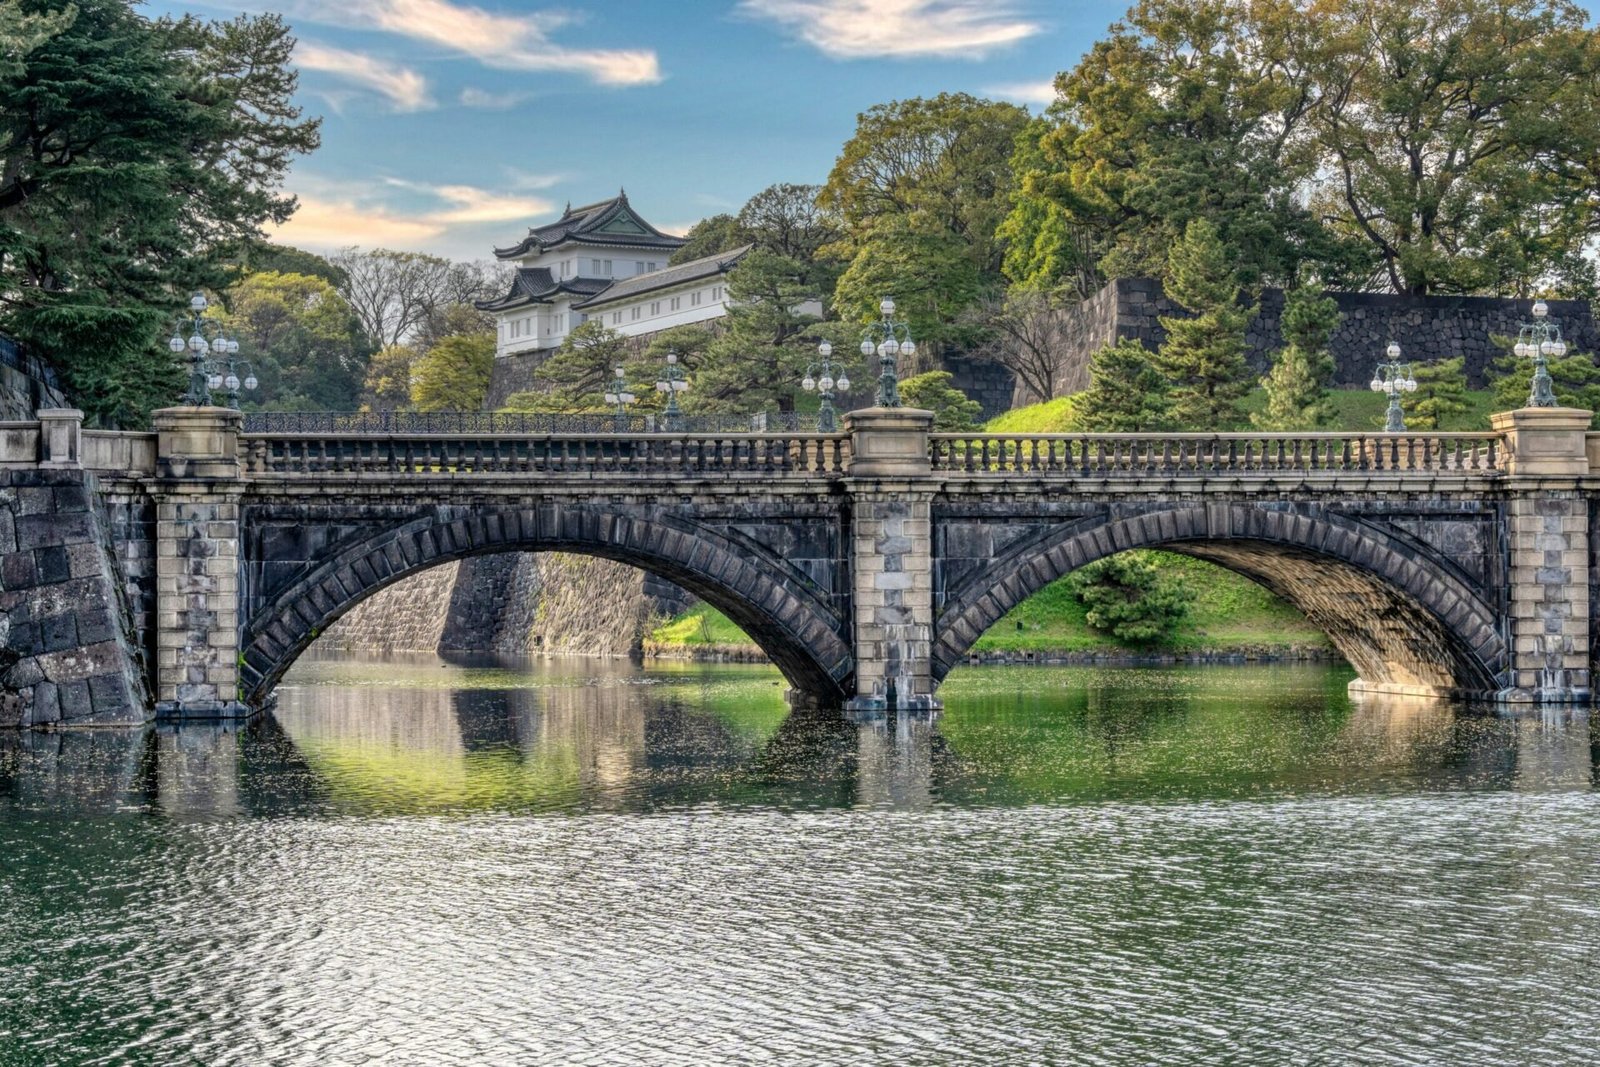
[25, 384]
[409, 616]
[68, 650]
[1428, 328]
[514, 604]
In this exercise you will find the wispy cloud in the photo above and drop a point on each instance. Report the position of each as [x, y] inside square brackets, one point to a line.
[337, 214]
[863, 29]
[1039, 92]
[504, 41]
[472, 96]
[405, 89]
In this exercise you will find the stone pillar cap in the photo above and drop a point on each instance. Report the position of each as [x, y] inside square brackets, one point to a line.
[1542, 418]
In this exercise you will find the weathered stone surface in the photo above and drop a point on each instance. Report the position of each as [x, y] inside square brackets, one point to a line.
[66, 631]
[1430, 328]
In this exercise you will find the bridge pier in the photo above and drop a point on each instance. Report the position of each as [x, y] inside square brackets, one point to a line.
[197, 492]
[891, 530]
[1547, 533]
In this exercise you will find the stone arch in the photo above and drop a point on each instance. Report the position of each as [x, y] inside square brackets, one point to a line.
[1402, 618]
[792, 623]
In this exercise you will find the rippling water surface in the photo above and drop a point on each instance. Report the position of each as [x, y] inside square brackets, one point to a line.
[413, 862]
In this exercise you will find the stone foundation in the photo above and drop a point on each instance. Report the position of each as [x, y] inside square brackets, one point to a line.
[68, 649]
[514, 603]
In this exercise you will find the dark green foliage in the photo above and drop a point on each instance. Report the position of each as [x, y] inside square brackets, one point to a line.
[303, 341]
[138, 160]
[934, 391]
[757, 362]
[1203, 357]
[1128, 597]
[286, 259]
[919, 191]
[1441, 397]
[577, 376]
[713, 234]
[1297, 385]
[1126, 393]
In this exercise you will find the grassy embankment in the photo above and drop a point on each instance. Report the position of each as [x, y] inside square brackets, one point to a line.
[1229, 612]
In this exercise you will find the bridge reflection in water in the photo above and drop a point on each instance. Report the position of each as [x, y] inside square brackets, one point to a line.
[407, 737]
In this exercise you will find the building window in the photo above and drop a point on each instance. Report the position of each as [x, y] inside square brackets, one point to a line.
[638, 266]
[694, 298]
[652, 266]
[675, 301]
[608, 268]
[594, 266]
[616, 318]
[716, 294]
[655, 307]
[635, 314]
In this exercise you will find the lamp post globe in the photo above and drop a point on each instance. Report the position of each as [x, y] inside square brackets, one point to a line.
[1393, 378]
[1539, 341]
[889, 339]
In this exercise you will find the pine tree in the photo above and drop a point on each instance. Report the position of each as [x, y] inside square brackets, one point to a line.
[1126, 393]
[1128, 597]
[935, 391]
[1297, 385]
[1441, 395]
[1203, 358]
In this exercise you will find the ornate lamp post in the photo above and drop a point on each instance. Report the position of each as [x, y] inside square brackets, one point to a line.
[621, 398]
[672, 382]
[889, 339]
[1394, 378]
[1538, 340]
[827, 418]
[230, 382]
[205, 337]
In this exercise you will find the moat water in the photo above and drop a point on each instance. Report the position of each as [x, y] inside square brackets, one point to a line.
[575, 863]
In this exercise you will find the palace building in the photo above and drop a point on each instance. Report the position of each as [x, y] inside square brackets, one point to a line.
[603, 262]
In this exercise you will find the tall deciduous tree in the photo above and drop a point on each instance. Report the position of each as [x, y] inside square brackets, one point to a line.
[302, 339]
[1203, 357]
[138, 158]
[919, 191]
[1187, 109]
[712, 234]
[1460, 138]
[1027, 331]
[454, 375]
[396, 294]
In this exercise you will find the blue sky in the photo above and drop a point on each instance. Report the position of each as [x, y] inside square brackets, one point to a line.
[450, 126]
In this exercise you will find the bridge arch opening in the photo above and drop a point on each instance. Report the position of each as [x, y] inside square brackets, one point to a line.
[796, 624]
[1405, 622]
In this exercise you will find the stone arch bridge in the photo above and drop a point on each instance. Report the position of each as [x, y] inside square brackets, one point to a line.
[866, 563]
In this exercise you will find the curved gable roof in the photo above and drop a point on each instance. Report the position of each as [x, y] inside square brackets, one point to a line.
[606, 222]
[536, 285]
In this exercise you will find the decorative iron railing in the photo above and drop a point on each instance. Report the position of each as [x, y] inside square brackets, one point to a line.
[761, 455]
[513, 422]
[1226, 453]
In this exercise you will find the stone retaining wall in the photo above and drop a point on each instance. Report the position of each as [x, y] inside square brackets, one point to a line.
[513, 603]
[409, 616]
[1428, 328]
[68, 651]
